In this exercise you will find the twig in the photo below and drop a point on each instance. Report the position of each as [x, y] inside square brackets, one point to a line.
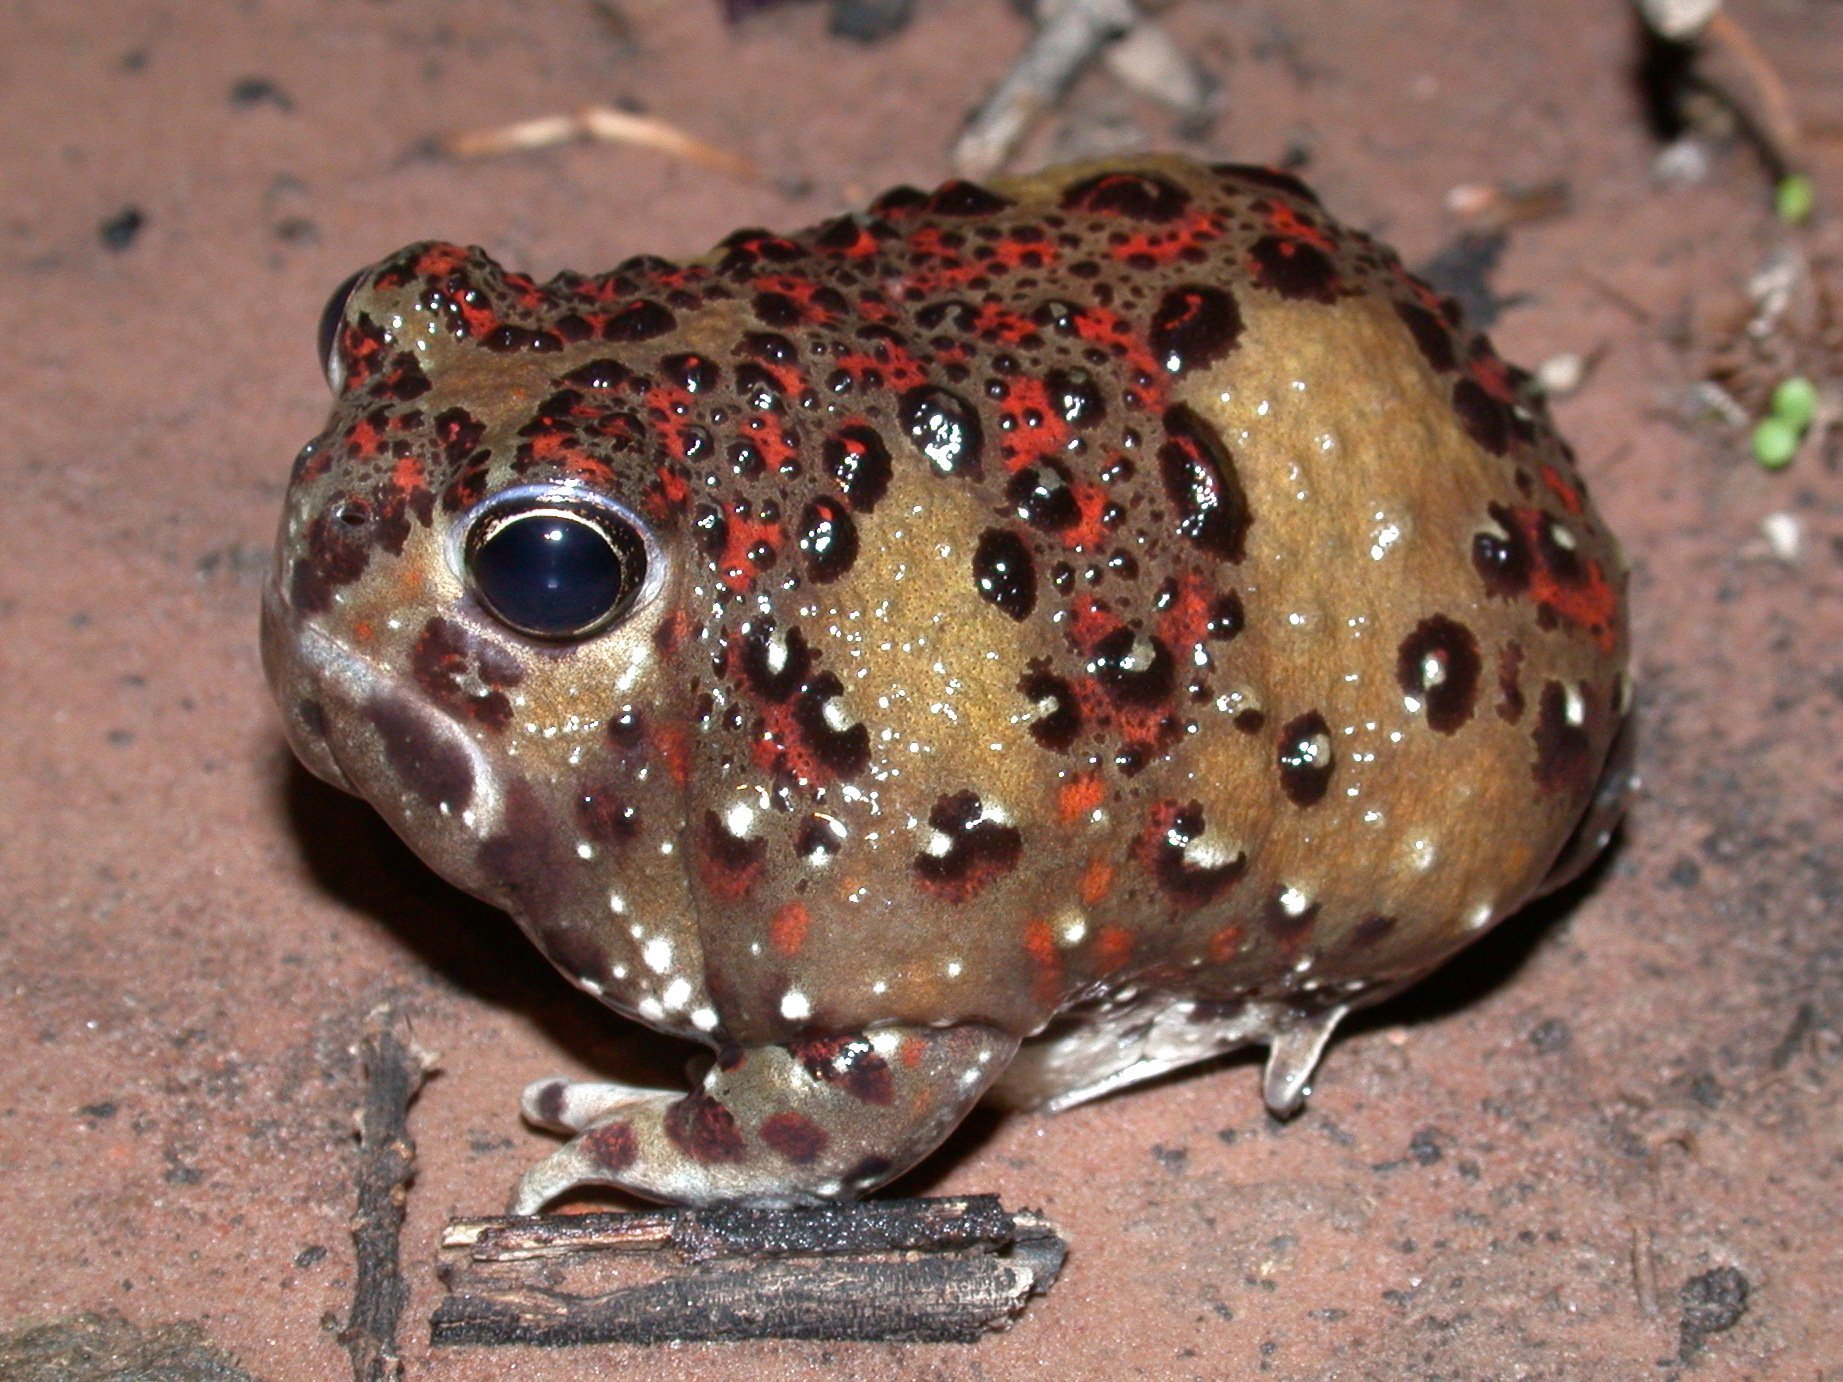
[602, 124]
[934, 1270]
[1779, 123]
[395, 1069]
[1066, 44]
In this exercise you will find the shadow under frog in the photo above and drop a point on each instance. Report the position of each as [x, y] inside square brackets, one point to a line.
[1020, 639]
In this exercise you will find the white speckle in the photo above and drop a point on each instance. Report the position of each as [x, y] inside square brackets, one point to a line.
[584, 850]
[1382, 539]
[1304, 963]
[1294, 903]
[1421, 853]
[881, 986]
[1433, 670]
[658, 954]
[704, 1019]
[1296, 619]
[1372, 818]
[1262, 408]
[1138, 657]
[651, 1008]
[665, 846]
[939, 844]
[777, 653]
[738, 818]
[1784, 536]
[617, 904]
[837, 718]
[886, 1041]
[588, 985]
[795, 1007]
[971, 1077]
[617, 972]
[1412, 704]
[677, 993]
[1480, 918]
[468, 818]
[1072, 929]
[1575, 709]
[1561, 537]
[954, 969]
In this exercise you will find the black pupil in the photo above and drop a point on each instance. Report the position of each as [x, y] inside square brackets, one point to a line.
[556, 574]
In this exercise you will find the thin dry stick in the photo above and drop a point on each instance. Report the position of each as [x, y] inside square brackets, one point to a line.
[602, 124]
[395, 1069]
[1779, 118]
[933, 1270]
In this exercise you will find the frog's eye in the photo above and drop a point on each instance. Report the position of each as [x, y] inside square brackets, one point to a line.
[556, 567]
[332, 317]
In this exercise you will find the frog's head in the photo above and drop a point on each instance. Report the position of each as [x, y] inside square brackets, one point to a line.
[475, 618]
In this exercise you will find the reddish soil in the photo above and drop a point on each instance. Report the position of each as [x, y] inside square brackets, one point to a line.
[1564, 1157]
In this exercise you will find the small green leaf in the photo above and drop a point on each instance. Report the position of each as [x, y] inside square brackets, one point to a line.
[1775, 442]
[1795, 401]
[1794, 198]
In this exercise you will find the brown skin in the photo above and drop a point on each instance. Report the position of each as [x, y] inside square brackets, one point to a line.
[1122, 589]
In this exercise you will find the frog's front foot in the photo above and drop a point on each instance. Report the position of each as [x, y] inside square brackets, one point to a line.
[822, 1117]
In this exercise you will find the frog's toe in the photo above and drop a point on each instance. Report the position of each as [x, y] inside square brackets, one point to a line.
[564, 1105]
[823, 1117]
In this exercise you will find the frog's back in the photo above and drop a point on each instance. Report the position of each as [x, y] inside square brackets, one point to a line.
[1182, 597]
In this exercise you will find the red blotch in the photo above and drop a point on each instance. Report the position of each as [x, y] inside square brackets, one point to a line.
[787, 931]
[1079, 797]
[794, 1137]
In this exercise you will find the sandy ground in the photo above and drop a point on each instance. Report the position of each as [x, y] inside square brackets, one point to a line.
[1568, 1156]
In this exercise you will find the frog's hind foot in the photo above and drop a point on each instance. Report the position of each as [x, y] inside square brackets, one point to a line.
[822, 1117]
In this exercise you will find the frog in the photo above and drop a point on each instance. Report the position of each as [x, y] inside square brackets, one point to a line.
[1013, 641]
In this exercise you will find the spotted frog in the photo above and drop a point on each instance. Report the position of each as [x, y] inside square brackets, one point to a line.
[1020, 638]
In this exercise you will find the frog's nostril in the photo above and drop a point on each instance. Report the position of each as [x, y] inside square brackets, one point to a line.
[353, 513]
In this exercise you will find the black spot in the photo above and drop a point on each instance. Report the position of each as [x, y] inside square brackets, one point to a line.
[1194, 326]
[960, 198]
[857, 458]
[1563, 750]
[1439, 663]
[829, 539]
[464, 673]
[1173, 830]
[1140, 196]
[505, 339]
[1203, 485]
[121, 230]
[1075, 396]
[1306, 758]
[433, 765]
[1288, 925]
[600, 374]
[1057, 725]
[848, 1061]
[1294, 268]
[1005, 574]
[692, 373]
[1136, 668]
[1275, 179]
[758, 668]
[1250, 721]
[1485, 419]
[1502, 559]
[1226, 618]
[843, 752]
[1430, 333]
[1042, 498]
[1372, 930]
[945, 428]
[978, 851]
